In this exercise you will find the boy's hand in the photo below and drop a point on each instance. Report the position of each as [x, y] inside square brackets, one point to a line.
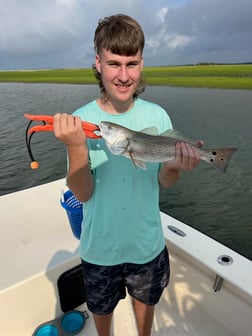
[68, 129]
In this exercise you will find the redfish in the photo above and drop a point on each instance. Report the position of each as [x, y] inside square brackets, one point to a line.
[146, 146]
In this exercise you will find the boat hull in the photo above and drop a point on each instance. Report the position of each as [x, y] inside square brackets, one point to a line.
[37, 246]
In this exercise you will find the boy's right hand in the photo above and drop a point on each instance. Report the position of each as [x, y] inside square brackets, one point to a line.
[68, 129]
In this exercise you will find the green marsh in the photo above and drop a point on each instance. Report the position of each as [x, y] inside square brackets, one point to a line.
[211, 76]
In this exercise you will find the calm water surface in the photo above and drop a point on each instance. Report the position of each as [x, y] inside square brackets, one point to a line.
[217, 204]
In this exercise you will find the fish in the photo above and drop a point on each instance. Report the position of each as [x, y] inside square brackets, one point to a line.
[148, 146]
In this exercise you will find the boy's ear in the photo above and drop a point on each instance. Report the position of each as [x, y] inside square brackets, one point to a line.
[142, 63]
[98, 63]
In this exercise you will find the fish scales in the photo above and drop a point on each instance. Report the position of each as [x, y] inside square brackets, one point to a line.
[151, 148]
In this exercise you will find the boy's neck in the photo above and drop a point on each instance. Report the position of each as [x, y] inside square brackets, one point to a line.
[115, 107]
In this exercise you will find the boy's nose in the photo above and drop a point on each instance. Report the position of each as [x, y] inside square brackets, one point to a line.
[123, 74]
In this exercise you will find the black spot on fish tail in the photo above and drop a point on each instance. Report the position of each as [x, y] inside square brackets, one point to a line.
[220, 157]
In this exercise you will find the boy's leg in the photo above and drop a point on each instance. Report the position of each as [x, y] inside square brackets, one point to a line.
[145, 284]
[144, 317]
[104, 287]
[103, 324]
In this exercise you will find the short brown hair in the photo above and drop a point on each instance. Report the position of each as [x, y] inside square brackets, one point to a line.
[121, 35]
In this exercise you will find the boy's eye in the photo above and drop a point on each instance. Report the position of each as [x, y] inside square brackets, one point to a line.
[132, 65]
[114, 65]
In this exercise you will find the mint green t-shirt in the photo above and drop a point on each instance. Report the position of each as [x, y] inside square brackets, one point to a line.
[121, 221]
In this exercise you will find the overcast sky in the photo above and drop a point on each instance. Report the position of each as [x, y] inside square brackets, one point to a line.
[59, 33]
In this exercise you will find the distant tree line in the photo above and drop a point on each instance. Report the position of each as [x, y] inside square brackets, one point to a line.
[213, 63]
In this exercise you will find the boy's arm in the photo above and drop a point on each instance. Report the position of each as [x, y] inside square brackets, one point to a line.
[68, 129]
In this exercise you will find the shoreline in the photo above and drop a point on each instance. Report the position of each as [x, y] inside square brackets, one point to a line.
[237, 76]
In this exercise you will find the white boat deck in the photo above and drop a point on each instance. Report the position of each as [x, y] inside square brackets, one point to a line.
[37, 246]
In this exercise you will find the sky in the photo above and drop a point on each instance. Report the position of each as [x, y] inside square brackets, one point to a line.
[37, 34]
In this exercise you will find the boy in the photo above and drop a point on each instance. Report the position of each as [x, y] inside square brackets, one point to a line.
[122, 244]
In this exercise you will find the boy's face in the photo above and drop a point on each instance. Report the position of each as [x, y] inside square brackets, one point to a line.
[120, 75]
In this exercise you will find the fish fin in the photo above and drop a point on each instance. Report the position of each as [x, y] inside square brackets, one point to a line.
[177, 135]
[150, 130]
[219, 157]
[137, 163]
[140, 164]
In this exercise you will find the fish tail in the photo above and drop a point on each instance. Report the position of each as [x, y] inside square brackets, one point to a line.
[219, 157]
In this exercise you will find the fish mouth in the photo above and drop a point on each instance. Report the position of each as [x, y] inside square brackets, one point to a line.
[103, 128]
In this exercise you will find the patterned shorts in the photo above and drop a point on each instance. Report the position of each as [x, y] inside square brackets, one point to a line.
[106, 285]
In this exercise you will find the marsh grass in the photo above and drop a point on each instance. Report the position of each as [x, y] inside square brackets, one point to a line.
[211, 76]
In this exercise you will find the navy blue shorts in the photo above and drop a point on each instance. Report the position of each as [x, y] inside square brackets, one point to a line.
[106, 285]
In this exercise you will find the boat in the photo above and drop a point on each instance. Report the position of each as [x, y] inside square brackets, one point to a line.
[210, 290]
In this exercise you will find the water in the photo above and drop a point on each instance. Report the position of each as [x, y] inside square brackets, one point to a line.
[217, 204]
